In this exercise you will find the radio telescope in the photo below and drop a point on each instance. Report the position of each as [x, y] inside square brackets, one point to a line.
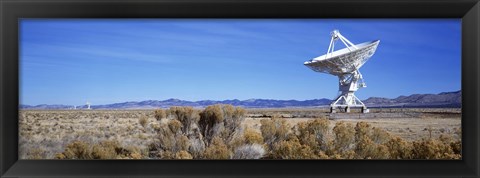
[345, 63]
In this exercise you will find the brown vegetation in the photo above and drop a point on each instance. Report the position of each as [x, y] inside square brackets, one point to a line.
[218, 132]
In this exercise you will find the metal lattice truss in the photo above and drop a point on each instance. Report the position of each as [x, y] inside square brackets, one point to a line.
[345, 63]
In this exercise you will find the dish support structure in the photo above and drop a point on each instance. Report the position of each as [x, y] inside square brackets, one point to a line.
[348, 82]
[346, 99]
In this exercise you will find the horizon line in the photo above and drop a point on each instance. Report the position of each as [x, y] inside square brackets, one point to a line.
[231, 99]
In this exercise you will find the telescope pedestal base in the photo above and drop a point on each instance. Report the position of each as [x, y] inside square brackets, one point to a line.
[347, 101]
[365, 110]
[332, 110]
[348, 109]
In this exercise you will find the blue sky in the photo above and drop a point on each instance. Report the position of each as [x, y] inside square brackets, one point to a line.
[107, 61]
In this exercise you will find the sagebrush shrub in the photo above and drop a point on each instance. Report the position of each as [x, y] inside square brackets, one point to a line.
[314, 133]
[223, 121]
[249, 151]
[210, 119]
[446, 139]
[175, 127]
[380, 136]
[249, 137]
[432, 149]
[187, 116]
[381, 152]
[182, 133]
[216, 132]
[136, 155]
[362, 129]
[344, 134]
[183, 155]
[368, 142]
[274, 130]
[160, 114]
[234, 116]
[166, 155]
[368, 149]
[106, 150]
[103, 150]
[170, 138]
[364, 148]
[77, 150]
[252, 137]
[197, 145]
[292, 149]
[143, 120]
[217, 150]
[399, 148]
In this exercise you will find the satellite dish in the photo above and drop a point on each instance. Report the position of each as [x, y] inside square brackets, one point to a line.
[345, 63]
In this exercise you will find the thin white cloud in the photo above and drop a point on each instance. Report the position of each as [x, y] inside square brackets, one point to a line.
[86, 51]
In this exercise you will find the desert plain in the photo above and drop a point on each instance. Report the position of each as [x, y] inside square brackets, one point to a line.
[50, 134]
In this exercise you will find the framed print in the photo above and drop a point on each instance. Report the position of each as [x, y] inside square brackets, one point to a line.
[239, 88]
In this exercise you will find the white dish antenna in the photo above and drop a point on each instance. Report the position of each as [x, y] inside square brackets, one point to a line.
[345, 63]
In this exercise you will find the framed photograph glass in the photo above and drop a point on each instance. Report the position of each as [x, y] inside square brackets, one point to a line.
[153, 91]
[249, 88]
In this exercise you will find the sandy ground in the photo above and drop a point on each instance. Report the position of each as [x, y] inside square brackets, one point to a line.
[407, 128]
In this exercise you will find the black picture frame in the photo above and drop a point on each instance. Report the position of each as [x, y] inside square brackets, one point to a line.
[12, 10]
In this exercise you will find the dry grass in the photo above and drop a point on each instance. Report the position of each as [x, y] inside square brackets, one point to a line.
[227, 132]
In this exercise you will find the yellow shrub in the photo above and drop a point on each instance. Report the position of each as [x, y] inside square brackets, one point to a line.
[365, 148]
[252, 137]
[399, 148]
[223, 121]
[60, 156]
[381, 152]
[160, 114]
[344, 136]
[217, 150]
[136, 155]
[175, 126]
[143, 121]
[380, 136]
[105, 150]
[314, 133]
[274, 130]
[183, 155]
[77, 150]
[431, 149]
[292, 149]
[362, 129]
[166, 155]
[446, 139]
[187, 116]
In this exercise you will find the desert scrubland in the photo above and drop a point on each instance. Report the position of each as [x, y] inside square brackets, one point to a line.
[227, 132]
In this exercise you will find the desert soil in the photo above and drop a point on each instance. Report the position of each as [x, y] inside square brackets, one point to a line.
[52, 129]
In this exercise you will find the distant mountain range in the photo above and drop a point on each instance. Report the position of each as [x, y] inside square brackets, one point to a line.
[445, 99]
